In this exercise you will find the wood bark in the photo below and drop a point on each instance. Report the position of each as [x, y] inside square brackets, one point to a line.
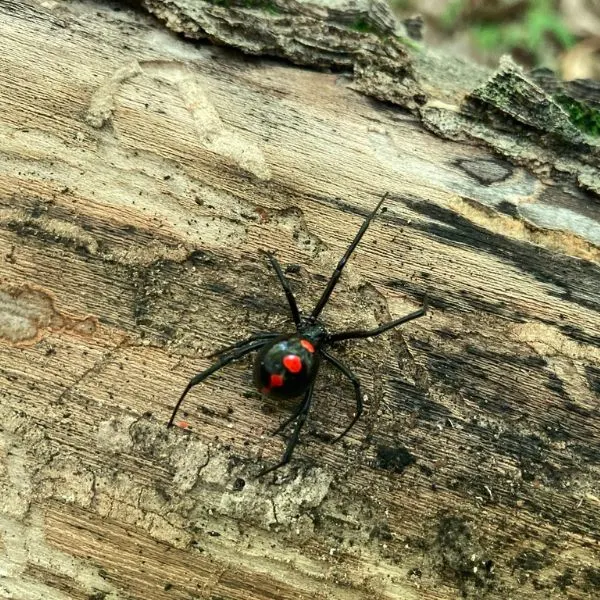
[143, 173]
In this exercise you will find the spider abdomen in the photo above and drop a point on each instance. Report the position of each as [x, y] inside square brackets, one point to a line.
[285, 367]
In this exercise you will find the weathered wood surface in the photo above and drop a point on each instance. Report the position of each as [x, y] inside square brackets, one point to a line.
[140, 176]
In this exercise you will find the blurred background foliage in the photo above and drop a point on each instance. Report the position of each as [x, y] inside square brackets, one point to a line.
[563, 35]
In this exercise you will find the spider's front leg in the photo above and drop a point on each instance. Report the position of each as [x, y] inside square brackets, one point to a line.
[355, 334]
[285, 284]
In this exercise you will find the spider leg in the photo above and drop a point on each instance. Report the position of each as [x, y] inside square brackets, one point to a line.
[238, 353]
[293, 416]
[293, 439]
[286, 288]
[365, 333]
[357, 391]
[338, 270]
[255, 337]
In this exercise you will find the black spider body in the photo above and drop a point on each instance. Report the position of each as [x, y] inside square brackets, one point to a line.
[286, 365]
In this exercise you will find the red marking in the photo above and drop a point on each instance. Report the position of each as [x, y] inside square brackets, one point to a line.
[276, 380]
[292, 363]
[307, 346]
[183, 424]
[263, 215]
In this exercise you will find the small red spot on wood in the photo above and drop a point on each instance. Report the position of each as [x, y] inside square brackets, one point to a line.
[263, 215]
[307, 346]
[183, 424]
[292, 363]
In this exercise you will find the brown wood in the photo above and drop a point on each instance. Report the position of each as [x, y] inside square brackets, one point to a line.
[140, 177]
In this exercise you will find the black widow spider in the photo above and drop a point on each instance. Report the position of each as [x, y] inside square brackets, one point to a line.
[287, 364]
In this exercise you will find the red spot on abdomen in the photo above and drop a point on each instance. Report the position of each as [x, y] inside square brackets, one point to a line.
[307, 346]
[292, 363]
[276, 380]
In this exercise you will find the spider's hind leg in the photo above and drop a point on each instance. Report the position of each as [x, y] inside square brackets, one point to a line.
[293, 439]
[357, 391]
[253, 338]
[297, 412]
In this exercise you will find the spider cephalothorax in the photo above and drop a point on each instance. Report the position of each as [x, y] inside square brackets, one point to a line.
[286, 365]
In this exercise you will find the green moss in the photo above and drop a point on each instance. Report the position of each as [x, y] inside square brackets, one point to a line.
[538, 22]
[272, 8]
[410, 43]
[363, 25]
[541, 19]
[451, 15]
[400, 5]
[583, 116]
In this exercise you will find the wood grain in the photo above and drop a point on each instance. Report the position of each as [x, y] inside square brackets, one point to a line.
[140, 177]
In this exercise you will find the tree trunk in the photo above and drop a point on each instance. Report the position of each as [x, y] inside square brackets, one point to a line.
[142, 177]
